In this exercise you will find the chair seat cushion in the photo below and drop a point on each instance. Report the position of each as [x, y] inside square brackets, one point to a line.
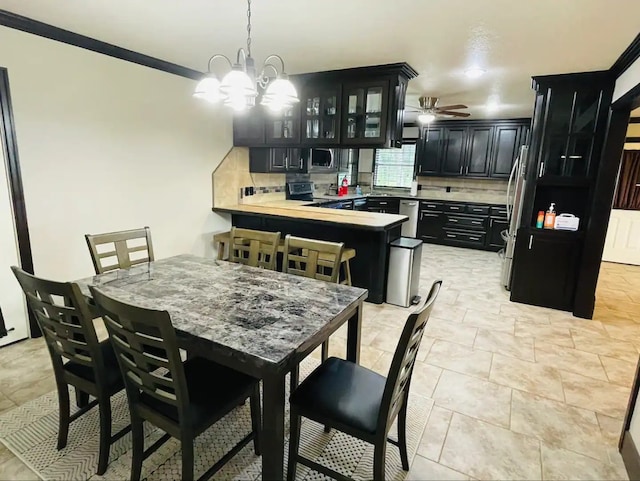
[213, 391]
[343, 392]
[113, 377]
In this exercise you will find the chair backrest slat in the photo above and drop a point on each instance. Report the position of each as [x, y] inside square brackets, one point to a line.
[312, 258]
[65, 321]
[399, 378]
[121, 248]
[146, 346]
[254, 248]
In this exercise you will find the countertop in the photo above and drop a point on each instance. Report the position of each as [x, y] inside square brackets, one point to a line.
[299, 210]
[275, 315]
[469, 197]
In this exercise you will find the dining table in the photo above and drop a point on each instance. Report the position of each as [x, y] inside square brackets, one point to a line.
[257, 321]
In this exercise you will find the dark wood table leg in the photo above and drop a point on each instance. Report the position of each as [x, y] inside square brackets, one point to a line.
[354, 335]
[273, 426]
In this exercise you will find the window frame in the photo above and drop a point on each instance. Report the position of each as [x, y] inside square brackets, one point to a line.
[413, 176]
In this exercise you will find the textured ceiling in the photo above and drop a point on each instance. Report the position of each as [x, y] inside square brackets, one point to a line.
[512, 40]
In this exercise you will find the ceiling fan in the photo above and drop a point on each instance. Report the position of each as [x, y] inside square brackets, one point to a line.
[429, 110]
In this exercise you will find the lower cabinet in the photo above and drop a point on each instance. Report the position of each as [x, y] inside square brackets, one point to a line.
[383, 205]
[476, 226]
[545, 268]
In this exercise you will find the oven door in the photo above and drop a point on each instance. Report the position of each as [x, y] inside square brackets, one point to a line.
[322, 160]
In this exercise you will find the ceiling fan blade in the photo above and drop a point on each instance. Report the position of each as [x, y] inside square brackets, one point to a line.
[452, 107]
[453, 114]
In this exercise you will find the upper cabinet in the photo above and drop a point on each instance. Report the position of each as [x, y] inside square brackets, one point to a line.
[359, 107]
[476, 148]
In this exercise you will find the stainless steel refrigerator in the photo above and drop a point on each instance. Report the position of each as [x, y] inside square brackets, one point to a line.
[515, 196]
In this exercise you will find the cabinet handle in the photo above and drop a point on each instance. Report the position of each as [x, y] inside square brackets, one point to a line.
[382, 203]
[541, 169]
[421, 215]
[453, 220]
[301, 163]
[474, 238]
[461, 170]
[451, 235]
[530, 241]
[466, 170]
[476, 222]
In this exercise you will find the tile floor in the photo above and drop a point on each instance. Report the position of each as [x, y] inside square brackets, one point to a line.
[519, 392]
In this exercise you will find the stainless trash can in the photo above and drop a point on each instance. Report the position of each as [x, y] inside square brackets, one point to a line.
[403, 280]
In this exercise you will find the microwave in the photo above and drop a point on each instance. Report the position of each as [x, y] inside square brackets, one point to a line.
[322, 159]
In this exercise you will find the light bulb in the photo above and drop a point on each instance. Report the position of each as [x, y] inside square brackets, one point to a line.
[474, 72]
[238, 90]
[426, 118]
[208, 89]
[280, 94]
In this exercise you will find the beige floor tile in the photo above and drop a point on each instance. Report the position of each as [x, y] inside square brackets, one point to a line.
[557, 424]
[582, 326]
[434, 433]
[486, 320]
[424, 379]
[604, 314]
[485, 451]
[383, 364]
[570, 359]
[523, 312]
[447, 297]
[394, 317]
[527, 376]
[32, 390]
[474, 397]
[478, 304]
[6, 404]
[619, 371]
[610, 428]
[600, 396]
[451, 331]
[602, 344]
[559, 336]
[448, 312]
[505, 344]
[625, 329]
[560, 464]
[459, 358]
[425, 347]
[387, 338]
[423, 469]
[16, 470]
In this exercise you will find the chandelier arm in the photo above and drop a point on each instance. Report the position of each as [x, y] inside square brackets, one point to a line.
[242, 53]
[266, 62]
[218, 55]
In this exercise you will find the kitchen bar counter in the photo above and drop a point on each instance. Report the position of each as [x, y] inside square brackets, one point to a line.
[299, 210]
[369, 233]
[426, 195]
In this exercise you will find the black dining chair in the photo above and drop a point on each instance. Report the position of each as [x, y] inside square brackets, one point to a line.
[357, 401]
[182, 399]
[78, 358]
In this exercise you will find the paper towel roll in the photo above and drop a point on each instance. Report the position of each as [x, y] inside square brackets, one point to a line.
[414, 188]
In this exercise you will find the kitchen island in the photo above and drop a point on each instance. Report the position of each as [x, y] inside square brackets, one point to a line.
[367, 232]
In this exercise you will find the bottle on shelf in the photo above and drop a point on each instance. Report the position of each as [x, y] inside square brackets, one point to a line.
[550, 217]
[540, 220]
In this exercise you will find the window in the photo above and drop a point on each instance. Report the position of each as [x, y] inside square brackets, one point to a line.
[348, 166]
[394, 167]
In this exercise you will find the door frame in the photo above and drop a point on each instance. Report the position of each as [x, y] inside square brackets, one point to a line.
[16, 189]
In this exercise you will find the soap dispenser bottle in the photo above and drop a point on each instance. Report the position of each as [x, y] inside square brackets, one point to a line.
[550, 217]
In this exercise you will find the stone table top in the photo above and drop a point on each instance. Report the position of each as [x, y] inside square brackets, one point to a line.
[263, 316]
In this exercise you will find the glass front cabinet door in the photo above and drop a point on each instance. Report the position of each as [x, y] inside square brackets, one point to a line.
[282, 128]
[364, 109]
[320, 111]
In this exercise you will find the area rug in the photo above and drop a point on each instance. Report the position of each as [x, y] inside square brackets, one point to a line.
[30, 432]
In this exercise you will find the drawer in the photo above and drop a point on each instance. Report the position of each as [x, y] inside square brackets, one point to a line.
[478, 209]
[454, 208]
[464, 237]
[498, 211]
[465, 222]
[433, 206]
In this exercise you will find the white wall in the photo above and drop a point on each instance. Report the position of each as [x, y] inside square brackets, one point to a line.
[629, 79]
[107, 145]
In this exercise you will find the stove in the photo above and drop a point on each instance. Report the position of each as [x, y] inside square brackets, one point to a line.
[300, 191]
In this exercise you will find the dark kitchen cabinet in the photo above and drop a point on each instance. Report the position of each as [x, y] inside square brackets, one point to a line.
[496, 226]
[364, 112]
[454, 141]
[508, 139]
[475, 148]
[350, 108]
[479, 151]
[320, 114]
[383, 205]
[429, 156]
[277, 160]
[545, 268]
[430, 225]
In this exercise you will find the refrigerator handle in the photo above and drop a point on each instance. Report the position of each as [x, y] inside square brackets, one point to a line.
[511, 176]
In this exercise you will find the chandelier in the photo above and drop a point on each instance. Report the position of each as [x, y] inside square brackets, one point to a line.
[238, 89]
